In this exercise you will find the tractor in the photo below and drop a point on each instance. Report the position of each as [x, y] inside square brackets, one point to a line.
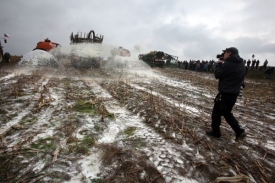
[45, 54]
[86, 50]
[4, 56]
[90, 38]
[50, 47]
[157, 58]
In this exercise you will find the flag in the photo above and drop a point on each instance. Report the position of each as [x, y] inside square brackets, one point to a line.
[6, 35]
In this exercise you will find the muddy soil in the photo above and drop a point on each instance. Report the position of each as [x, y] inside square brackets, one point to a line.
[129, 124]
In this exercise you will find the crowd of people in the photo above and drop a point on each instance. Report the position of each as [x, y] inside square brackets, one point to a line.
[197, 65]
[209, 66]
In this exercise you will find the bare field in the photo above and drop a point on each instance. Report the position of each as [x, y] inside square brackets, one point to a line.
[129, 125]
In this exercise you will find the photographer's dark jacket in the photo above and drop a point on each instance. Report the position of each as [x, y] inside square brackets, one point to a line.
[230, 74]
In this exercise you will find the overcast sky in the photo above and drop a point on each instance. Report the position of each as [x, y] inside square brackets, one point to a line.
[197, 29]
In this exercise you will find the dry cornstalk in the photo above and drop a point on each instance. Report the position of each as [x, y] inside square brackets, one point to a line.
[260, 167]
[55, 154]
[236, 178]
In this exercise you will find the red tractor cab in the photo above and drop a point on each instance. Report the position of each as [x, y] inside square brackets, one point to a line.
[46, 45]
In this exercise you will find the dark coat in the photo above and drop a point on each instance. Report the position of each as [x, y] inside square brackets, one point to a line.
[269, 70]
[230, 74]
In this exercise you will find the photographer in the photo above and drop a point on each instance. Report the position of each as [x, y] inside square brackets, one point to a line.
[230, 72]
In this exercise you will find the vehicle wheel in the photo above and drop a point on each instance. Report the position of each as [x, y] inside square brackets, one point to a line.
[7, 57]
[1, 55]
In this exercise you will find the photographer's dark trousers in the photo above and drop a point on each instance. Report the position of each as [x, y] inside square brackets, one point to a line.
[223, 106]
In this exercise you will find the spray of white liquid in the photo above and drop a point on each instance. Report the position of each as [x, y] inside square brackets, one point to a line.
[61, 58]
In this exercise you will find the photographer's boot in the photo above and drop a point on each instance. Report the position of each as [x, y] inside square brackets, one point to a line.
[241, 135]
[213, 134]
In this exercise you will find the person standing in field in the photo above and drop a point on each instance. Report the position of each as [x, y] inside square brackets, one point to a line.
[257, 64]
[248, 63]
[230, 72]
[265, 63]
[253, 64]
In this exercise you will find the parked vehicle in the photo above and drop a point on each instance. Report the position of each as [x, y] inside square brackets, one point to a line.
[4, 57]
[157, 58]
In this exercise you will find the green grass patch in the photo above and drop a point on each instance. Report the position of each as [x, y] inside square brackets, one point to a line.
[29, 121]
[129, 131]
[92, 109]
[88, 141]
[85, 107]
[46, 144]
[82, 147]
[78, 149]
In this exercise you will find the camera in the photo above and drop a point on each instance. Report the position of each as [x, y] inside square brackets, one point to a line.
[220, 56]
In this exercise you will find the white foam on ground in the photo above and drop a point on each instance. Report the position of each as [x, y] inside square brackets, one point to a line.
[38, 58]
